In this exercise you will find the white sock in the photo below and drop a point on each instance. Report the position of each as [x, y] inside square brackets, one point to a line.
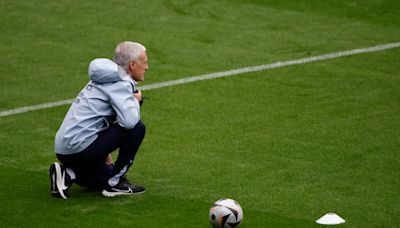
[71, 173]
[116, 178]
[113, 181]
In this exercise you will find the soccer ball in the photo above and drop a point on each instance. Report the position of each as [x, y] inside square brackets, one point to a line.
[226, 213]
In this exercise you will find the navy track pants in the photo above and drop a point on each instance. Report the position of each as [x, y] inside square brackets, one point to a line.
[89, 165]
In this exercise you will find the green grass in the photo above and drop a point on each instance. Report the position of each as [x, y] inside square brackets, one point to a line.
[289, 144]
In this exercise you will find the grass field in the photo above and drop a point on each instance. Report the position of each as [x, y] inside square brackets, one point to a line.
[289, 144]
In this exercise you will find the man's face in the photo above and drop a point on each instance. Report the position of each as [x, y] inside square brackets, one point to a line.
[138, 68]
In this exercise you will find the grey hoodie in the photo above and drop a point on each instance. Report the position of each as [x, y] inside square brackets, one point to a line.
[107, 97]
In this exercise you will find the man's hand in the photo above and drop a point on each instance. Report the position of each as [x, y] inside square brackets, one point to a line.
[109, 160]
[138, 95]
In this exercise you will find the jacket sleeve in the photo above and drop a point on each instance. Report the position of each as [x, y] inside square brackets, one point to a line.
[125, 105]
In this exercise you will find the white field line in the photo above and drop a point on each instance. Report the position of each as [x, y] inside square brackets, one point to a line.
[222, 74]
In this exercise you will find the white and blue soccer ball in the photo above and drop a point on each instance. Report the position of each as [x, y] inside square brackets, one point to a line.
[226, 213]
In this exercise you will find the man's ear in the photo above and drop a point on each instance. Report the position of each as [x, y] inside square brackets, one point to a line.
[132, 65]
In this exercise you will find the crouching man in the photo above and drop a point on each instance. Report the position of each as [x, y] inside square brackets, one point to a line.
[104, 117]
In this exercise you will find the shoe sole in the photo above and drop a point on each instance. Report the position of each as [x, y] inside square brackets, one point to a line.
[113, 194]
[53, 187]
[58, 176]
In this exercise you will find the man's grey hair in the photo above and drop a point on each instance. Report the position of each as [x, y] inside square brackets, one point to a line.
[127, 51]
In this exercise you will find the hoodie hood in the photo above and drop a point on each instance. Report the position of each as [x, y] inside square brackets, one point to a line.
[103, 70]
